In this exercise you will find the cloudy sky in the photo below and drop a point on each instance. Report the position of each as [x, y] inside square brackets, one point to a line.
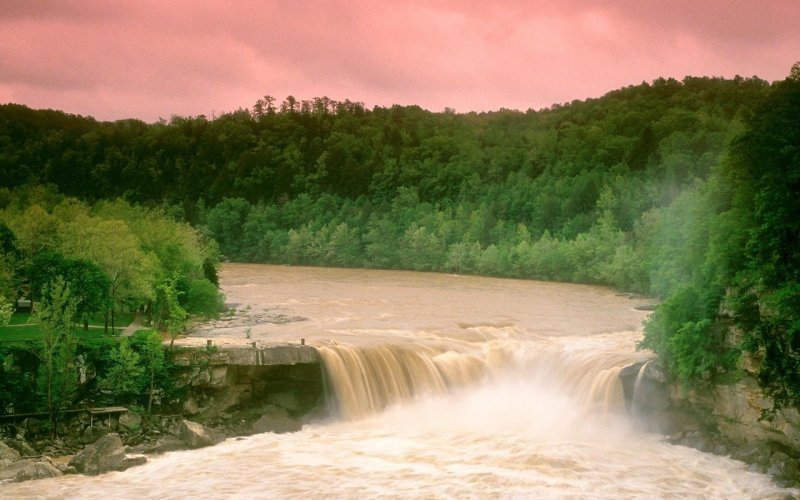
[154, 58]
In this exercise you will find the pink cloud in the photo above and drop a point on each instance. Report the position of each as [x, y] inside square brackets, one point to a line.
[152, 59]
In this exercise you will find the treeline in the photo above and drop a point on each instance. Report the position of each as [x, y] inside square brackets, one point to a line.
[663, 134]
[664, 188]
[733, 264]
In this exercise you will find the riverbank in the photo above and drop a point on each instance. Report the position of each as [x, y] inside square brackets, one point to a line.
[230, 390]
[734, 420]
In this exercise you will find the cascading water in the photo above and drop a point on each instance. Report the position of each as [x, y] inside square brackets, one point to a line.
[445, 387]
[366, 379]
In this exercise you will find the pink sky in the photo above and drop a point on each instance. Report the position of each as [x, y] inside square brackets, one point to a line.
[156, 58]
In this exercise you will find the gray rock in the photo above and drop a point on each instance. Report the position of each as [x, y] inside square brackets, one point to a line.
[190, 406]
[95, 432]
[37, 470]
[24, 449]
[105, 455]
[10, 471]
[133, 461]
[66, 469]
[277, 421]
[286, 400]
[8, 455]
[162, 445]
[130, 421]
[197, 436]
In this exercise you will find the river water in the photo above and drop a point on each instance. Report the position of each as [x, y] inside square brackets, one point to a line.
[444, 386]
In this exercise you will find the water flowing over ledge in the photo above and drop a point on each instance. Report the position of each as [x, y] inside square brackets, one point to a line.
[442, 386]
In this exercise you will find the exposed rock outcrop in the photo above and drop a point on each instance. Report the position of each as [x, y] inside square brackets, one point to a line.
[8, 455]
[726, 419]
[197, 436]
[105, 455]
[37, 470]
[276, 420]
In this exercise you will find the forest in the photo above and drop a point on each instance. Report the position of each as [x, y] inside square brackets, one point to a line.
[684, 190]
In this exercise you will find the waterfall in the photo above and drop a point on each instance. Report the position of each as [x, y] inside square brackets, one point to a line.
[367, 379]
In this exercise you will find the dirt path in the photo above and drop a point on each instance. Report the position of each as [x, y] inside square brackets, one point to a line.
[136, 324]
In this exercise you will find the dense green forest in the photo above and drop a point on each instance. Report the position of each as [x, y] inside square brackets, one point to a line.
[680, 189]
[83, 266]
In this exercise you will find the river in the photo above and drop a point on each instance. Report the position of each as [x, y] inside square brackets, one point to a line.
[445, 386]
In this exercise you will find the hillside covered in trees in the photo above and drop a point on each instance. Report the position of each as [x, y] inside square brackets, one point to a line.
[681, 189]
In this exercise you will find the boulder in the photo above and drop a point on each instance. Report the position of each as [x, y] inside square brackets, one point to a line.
[130, 421]
[105, 455]
[277, 420]
[24, 449]
[133, 461]
[10, 471]
[94, 432]
[190, 406]
[197, 436]
[36, 470]
[8, 455]
[162, 445]
[287, 400]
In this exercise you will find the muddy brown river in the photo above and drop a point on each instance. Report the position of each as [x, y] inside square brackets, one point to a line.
[445, 387]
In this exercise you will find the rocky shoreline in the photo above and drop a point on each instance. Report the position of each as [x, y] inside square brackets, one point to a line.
[726, 420]
[123, 441]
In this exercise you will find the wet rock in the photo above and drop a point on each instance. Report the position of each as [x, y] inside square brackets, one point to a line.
[645, 387]
[8, 455]
[162, 445]
[190, 406]
[277, 420]
[37, 470]
[225, 400]
[133, 461]
[287, 400]
[105, 455]
[22, 447]
[10, 471]
[93, 433]
[218, 376]
[130, 421]
[197, 436]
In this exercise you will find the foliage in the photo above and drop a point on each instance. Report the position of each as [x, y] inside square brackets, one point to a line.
[89, 285]
[170, 312]
[6, 311]
[124, 376]
[153, 364]
[734, 265]
[57, 378]
[642, 189]
[203, 298]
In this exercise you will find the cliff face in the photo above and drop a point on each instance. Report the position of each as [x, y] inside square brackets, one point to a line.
[235, 385]
[736, 419]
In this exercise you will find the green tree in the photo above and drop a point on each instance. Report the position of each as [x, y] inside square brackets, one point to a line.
[6, 311]
[88, 284]
[151, 354]
[112, 245]
[171, 315]
[57, 378]
[124, 377]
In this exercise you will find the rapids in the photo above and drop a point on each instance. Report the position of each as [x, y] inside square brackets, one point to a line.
[443, 386]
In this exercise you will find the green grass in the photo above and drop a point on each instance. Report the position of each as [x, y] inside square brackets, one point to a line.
[19, 333]
[20, 319]
[22, 328]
